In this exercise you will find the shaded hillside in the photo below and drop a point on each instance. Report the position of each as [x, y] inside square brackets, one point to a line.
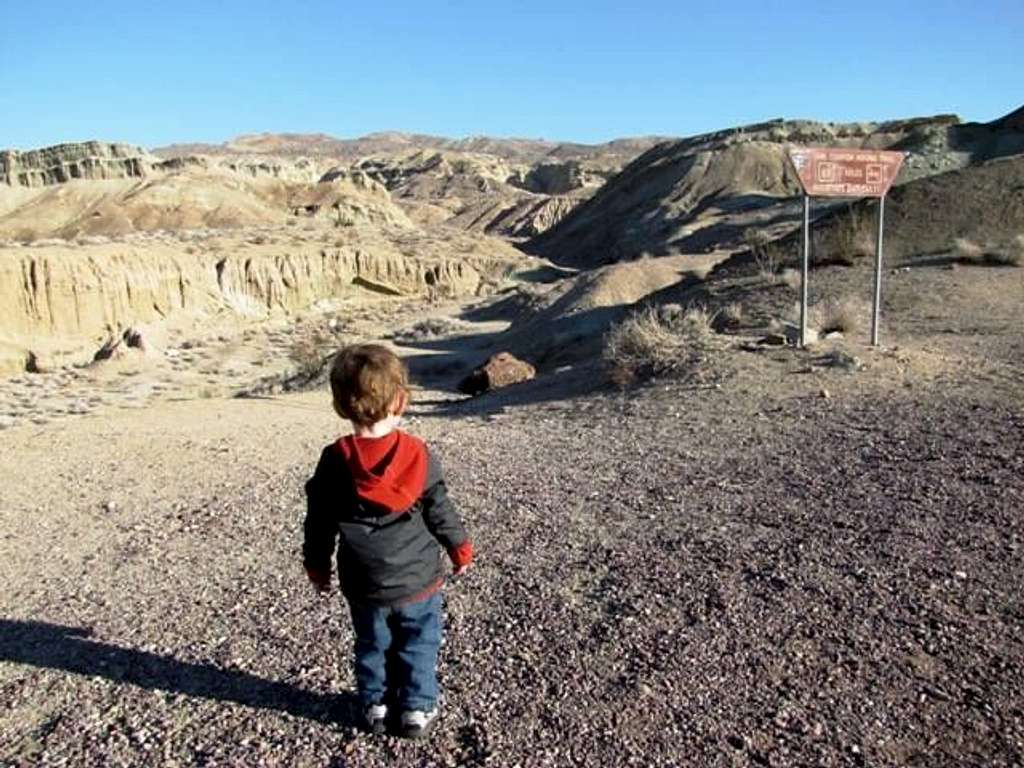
[702, 193]
[984, 203]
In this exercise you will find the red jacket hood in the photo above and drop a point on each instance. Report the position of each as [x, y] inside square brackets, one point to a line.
[389, 471]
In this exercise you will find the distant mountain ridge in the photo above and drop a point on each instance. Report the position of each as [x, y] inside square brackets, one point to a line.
[388, 142]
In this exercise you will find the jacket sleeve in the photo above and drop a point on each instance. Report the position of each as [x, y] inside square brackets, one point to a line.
[441, 517]
[320, 528]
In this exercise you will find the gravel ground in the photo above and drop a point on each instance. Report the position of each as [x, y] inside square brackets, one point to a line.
[721, 577]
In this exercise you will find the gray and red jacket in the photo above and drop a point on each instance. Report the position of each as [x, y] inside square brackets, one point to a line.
[383, 503]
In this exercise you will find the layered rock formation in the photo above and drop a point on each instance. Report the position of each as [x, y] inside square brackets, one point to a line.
[194, 193]
[65, 162]
[74, 295]
[520, 217]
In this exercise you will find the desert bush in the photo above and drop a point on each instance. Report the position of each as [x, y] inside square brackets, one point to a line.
[854, 238]
[850, 239]
[967, 250]
[1009, 254]
[662, 340]
[311, 352]
[791, 278]
[733, 313]
[767, 255]
[843, 314]
[430, 328]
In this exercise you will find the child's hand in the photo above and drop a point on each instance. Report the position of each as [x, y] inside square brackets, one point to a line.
[321, 580]
[461, 557]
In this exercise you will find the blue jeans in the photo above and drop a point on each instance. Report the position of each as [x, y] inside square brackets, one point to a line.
[396, 652]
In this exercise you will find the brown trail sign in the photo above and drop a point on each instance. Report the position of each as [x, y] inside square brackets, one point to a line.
[840, 172]
[846, 172]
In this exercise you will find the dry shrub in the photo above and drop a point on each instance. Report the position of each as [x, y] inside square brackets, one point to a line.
[311, 353]
[855, 238]
[850, 239]
[430, 328]
[843, 314]
[733, 313]
[656, 341]
[968, 250]
[767, 255]
[1009, 254]
[791, 278]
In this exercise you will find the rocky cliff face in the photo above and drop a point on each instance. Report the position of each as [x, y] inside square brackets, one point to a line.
[65, 162]
[560, 178]
[75, 295]
[519, 218]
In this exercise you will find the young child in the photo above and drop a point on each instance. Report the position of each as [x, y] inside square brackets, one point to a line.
[380, 495]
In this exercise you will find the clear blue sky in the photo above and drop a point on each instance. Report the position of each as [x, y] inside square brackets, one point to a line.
[152, 73]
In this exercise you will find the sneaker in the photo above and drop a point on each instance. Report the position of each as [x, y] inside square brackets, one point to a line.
[418, 724]
[375, 716]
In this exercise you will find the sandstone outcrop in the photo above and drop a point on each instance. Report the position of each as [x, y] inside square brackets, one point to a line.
[66, 162]
[522, 217]
[561, 178]
[192, 193]
[71, 296]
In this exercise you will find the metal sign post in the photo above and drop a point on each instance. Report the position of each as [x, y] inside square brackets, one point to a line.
[877, 309]
[838, 172]
[805, 268]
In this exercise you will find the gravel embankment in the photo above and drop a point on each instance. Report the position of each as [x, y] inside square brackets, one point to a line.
[669, 579]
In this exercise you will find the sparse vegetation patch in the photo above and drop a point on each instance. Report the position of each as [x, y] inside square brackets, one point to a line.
[850, 239]
[430, 328]
[311, 353]
[767, 255]
[835, 314]
[1008, 254]
[663, 340]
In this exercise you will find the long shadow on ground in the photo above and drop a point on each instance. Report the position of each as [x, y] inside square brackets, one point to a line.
[54, 646]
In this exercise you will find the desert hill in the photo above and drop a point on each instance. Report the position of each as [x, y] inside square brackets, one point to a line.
[509, 187]
[485, 193]
[923, 218]
[105, 236]
[702, 193]
[395, 142]
[273, 223]
[110, 189]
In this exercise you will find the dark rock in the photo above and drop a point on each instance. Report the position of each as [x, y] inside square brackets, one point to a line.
[500, 370]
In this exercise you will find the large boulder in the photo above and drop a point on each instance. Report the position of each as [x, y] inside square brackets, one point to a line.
[500, 370]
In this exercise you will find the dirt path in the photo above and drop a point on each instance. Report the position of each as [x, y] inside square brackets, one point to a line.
[719, 577]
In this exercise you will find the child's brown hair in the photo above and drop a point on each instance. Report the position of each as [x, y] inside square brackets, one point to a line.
[367, 380]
